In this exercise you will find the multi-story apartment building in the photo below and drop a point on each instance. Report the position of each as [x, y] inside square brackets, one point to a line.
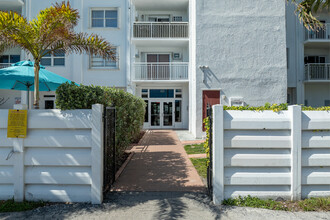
[308, 61]
[182, 55]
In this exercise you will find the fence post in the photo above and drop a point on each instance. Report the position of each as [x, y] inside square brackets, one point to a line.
[18, 148]
[296, 130]
[97, 154]
[218, 154]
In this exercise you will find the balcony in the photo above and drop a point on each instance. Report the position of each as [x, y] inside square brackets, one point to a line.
[161, 71]
[158, 30]
[320, 35]
[317, 72]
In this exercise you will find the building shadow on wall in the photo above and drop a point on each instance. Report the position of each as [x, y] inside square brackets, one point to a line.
[209, 76]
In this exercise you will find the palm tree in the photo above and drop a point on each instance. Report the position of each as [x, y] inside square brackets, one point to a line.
[305, 10]
[51, 31]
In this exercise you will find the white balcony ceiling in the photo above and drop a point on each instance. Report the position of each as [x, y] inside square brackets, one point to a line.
[174, 5]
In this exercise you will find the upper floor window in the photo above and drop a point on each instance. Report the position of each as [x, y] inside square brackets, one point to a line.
[53, 59]
[100, 62]
[105, 18]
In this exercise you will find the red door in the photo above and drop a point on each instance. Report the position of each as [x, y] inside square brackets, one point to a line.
[210, 98]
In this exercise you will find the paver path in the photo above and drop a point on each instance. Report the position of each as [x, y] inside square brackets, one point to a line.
[160, 163]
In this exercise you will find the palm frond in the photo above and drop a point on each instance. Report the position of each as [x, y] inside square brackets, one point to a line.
[93, 45]
[305, 10]
[15, 30]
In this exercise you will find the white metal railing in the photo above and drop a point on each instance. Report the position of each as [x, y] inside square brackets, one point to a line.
[161, 30]
[161, 71]
[317, 71]
[4, 65]
[322, 34]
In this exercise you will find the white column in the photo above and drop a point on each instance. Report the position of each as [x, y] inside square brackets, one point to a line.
[296, 130]
[18, 157]
[97, 154]
[218, 154]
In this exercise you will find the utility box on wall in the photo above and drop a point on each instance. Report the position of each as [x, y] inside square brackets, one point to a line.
[236, 101]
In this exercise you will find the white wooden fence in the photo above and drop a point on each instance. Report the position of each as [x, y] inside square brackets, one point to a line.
[60, 160]
[270, 155]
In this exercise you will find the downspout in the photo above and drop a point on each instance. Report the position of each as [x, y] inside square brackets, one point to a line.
[129, 50]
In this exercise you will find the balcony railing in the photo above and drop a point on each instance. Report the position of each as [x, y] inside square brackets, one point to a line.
[4, 65]
[317, 71]
[161, 71]
[161, 30]
[322, 34]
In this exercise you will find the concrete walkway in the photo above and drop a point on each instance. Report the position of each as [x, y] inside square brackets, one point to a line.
[158, 205]
[160, 163]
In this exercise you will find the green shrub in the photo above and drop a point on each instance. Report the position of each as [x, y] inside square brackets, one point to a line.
[130, 109]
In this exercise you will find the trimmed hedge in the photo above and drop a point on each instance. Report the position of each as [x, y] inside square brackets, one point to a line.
[129, 108]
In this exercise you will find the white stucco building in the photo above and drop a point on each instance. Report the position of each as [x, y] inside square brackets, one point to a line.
[182, 55]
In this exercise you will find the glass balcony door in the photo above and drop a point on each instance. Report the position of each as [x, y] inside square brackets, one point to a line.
[158, 66]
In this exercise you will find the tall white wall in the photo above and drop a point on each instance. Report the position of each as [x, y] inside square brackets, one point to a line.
[244, 45]
[271, 154]
[60, 160]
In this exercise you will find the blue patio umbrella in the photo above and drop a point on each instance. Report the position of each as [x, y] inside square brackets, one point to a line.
[20, 76]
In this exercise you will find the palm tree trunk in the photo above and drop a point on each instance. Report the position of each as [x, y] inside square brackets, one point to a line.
[36, 84]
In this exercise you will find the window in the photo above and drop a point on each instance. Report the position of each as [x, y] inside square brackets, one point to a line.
[314, 59]
[144, 93]
[146, 116]
[178, 93]
[105, 18]
[161, 93]
[178, 110]
[177, 18]
[287, 58]
[99, 62]
[54, 59]
[8, 59]
[326, 102]
[159, 18]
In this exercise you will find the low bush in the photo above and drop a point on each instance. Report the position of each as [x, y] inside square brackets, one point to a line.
[12, 206]
[274, 107]
[312, 204]
[130, 109]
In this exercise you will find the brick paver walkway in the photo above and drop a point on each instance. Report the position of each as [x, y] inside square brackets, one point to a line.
[160, 163]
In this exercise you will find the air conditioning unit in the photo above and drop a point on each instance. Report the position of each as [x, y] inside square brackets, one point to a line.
[236, 101]
[176, 56]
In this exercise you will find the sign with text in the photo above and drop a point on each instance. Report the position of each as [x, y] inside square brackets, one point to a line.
[17, 123]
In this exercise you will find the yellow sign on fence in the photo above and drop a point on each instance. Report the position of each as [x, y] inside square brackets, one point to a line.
[17, 123]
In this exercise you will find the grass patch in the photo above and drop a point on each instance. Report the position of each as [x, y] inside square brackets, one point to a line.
[200, 166]
[195, 149]
[312, 204]
[12, 206]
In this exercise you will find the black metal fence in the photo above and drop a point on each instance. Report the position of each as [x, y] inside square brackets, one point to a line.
[209, 168]
[109, 176]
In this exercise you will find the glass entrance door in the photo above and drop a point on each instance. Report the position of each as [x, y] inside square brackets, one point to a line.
[167, 114]
[155, 114]
[161, 114]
